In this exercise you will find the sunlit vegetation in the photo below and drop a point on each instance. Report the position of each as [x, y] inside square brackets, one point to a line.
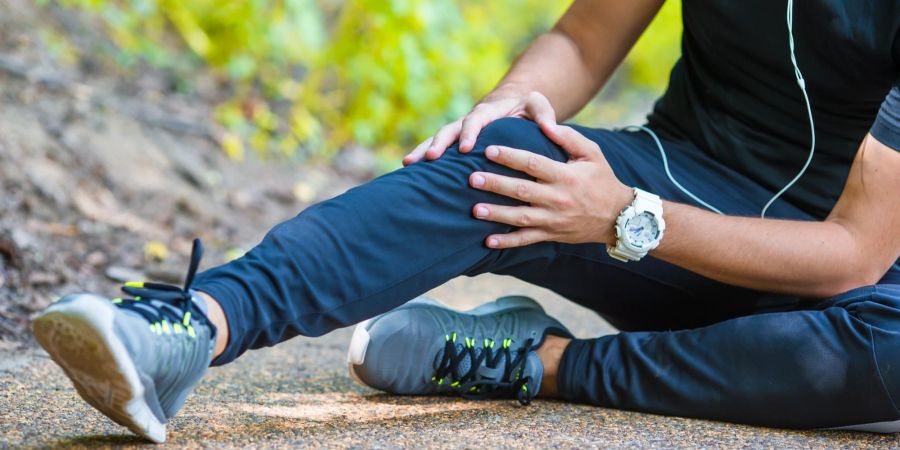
[309, 76]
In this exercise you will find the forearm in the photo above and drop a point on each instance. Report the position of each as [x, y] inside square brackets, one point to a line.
[810, 259]
[571, 63]
[580, 200]
[853, 247]
[552, 65]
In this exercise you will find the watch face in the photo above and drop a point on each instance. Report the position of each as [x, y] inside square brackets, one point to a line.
[642, 229]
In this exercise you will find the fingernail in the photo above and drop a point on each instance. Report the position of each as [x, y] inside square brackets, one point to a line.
[481, 211]
[493, 242]
[478, 181]
[491, 152]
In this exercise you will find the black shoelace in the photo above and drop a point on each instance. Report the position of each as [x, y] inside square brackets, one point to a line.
[470, 384]
[166, 320]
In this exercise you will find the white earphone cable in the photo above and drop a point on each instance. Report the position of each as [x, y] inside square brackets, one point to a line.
[662, 153]
[812, 128]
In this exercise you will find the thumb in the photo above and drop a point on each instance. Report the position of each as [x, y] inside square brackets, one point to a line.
[573, 142]
[539, 108]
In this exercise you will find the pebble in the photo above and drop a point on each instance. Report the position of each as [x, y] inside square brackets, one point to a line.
[95, 259]
[123, 274]
[44, 279]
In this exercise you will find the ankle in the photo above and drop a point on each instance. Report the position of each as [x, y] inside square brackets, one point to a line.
[551, 354]
[217, 316]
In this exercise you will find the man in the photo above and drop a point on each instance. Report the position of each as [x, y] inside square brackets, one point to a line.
[791, 320]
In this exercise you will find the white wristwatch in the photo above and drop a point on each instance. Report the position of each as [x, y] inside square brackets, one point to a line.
[639, 228]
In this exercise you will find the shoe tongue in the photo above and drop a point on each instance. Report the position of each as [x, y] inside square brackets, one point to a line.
[199, 301]
[150, 306]
[465, 363]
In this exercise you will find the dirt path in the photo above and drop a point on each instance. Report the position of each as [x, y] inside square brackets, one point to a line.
[299, 394]
[104, 178]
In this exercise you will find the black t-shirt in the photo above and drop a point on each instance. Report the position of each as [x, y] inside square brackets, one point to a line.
[734, 95]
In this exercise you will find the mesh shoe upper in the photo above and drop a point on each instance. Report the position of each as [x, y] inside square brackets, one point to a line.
[166, 334]
[426, 348]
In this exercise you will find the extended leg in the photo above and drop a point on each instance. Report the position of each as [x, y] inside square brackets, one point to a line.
[366, 251]
[385, 242]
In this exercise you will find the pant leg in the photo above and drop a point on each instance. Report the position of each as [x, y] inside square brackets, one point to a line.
[830, 366]
[649, 295]
[370, 249]
[385, 242]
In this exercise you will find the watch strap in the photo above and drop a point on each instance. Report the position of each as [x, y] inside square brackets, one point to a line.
[643, 202]
[646, 201]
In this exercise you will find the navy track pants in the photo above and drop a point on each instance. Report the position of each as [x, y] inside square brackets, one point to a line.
[688, 346]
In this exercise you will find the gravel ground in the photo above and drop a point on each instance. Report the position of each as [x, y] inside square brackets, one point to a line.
[299, 395]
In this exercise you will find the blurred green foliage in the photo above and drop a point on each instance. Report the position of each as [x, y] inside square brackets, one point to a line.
[320, 74]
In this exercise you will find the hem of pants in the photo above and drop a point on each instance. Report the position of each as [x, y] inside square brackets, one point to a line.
[577, 379]
[569, 366]
[222, 294]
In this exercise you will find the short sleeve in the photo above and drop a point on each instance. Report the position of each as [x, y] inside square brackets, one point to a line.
[887, 124]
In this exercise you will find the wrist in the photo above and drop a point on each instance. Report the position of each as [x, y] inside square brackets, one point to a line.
[505, 91]
[622, 196]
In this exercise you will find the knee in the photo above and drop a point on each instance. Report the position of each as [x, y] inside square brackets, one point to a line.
[516, 133]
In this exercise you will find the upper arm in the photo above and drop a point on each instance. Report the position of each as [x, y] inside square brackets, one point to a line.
[869, 207]
[605, 30]
[887, 124]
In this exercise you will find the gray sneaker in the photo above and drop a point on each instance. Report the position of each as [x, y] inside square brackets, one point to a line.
[135, 360]
[424, 347]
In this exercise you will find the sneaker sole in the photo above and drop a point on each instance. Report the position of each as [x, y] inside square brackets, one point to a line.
[79, 337]
[356, 354]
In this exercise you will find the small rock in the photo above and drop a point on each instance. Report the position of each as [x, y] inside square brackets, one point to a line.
[304, 192]
[95, 259]
[123, 274]
[43, 279]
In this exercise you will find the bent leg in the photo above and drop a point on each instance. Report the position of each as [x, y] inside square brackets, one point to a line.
[385, 242]
[832, 366]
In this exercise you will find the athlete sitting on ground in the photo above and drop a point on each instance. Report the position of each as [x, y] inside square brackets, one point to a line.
[791, 320]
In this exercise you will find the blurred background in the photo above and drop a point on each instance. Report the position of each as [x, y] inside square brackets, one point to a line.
[128, 127]
[299, 77]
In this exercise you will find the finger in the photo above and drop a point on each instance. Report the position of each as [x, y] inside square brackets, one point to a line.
[517, 188]
[443, 139]
[539, 108]
[519, 238]
[418, 152]
[538, 166]
[471, 126]
[519, 216]
[573, 142]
